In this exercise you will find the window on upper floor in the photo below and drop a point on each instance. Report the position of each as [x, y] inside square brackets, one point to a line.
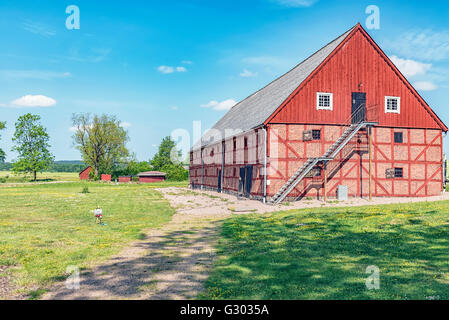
[392, 104]
[398, 137]
[324, 101]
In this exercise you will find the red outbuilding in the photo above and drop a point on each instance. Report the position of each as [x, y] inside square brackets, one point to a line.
[343, 119]
[151, 176]
[84, 175]
[106, 177]
[124, 179]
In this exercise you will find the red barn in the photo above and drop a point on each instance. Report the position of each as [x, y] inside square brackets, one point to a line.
[124, 179]
[345, 116]
[84, 175]
[106, 177]
[151, 176]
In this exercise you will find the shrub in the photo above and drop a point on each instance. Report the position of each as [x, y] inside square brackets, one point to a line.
[2, 180]
[85, 190]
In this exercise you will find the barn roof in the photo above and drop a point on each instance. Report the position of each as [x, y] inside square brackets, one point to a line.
[152, 174]
[255, 109]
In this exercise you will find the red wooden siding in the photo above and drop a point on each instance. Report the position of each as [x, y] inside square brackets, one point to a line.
[124, 179]
[357, 66]
[106, 177]
[84, 175]
[151, 179]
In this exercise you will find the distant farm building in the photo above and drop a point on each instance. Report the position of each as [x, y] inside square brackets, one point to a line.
[106, 177]
[84, 175]
[125, 179]
[151, 176]
[343, 119]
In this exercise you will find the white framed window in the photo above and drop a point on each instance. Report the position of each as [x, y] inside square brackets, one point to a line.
[392, 104]
[324, 101]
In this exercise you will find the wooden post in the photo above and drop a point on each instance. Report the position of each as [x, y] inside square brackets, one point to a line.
[325, 181]
[370, 151]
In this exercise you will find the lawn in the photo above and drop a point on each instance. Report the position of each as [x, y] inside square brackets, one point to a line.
[10, 177]
[45, 228]
[324, 254]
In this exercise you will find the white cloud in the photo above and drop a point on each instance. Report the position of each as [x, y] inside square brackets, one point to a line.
[186, 62]
[425, 86]
[247, 74]
[33, 74]
[220, 106]
[296, 3]
[125, 125]
[174, 108]
[31, 101]
[410, 67]
[38, 28]
[425, 45]
[170, 69]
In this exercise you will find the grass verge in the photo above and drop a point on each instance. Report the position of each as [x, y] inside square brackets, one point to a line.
[324, 253]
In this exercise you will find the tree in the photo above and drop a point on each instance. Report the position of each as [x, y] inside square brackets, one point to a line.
[167, 154]
[167, 160]
[31, 144]
[101, 141]
[2, 153]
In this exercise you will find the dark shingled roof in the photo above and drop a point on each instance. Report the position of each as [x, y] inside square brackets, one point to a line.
[258, 107]
[152, 174]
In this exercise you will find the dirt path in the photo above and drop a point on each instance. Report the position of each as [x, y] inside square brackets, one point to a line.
[171, 263]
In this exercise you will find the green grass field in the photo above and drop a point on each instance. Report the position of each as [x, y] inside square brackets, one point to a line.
[10, 177]
[324, 253]
[46, 227]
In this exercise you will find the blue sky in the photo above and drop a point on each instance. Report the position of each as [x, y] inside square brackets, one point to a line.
[160, 65]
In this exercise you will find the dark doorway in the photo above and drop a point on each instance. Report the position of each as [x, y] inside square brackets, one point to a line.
[246, 181]
[358, 109]
[219, 181]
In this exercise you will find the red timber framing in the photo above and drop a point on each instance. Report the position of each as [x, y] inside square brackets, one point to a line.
[419, 156]
[236, 156]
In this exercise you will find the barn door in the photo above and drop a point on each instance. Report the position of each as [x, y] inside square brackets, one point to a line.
[248, 180]
[219, 181]
[358, 109]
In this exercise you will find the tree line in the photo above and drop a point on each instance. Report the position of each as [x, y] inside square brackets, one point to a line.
[101, 141]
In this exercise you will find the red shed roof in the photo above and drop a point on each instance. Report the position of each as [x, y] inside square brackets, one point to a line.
[152, 174]
[85, 169]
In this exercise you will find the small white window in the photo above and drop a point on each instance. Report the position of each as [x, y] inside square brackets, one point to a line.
[324, 101]
[392, 104]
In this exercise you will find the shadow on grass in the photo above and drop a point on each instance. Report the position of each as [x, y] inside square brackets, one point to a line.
[324, 253]
[176, 276]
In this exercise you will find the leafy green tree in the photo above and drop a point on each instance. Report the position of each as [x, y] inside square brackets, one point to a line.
[31, 144]
[101, 141]
[175, 172]
[167, 154]
[168, 160]
[2, 153]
